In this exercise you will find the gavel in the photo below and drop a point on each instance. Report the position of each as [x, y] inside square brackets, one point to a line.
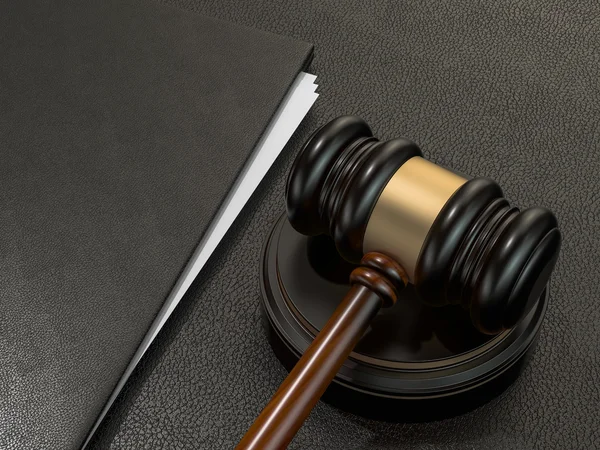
[405, 220]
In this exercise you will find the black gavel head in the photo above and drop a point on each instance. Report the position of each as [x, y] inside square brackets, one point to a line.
[458, 239]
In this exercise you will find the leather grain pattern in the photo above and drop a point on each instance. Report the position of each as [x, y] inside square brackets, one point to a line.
[122, 126]
[506, 89]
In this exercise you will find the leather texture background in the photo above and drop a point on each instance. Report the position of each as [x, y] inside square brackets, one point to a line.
[506, 89]
[122, 127]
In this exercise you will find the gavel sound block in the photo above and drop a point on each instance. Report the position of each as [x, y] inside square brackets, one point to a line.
[458, 334]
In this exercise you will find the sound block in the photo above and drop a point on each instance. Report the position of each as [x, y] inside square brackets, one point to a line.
[415, 362]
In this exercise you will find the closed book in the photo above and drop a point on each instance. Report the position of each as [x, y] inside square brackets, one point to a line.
[126, 128]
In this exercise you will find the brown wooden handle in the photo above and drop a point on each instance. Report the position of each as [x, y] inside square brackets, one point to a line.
[374, 284]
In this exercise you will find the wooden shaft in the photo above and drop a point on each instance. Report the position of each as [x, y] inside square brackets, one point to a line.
[290, 406]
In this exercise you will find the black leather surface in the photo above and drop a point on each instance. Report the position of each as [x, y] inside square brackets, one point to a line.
[507, 89]
[113, 161]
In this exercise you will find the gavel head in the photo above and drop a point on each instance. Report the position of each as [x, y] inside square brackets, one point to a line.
[458, 239]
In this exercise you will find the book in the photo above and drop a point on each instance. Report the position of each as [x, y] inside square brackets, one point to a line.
[131, 136]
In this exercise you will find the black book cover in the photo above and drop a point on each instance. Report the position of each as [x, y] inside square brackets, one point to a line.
[123, 124]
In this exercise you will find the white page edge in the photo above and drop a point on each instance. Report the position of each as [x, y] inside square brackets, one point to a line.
[290, 113]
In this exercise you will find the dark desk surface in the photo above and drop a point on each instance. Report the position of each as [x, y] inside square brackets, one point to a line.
[507, 89]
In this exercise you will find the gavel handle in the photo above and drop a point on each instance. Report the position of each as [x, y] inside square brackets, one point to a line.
[290, 406]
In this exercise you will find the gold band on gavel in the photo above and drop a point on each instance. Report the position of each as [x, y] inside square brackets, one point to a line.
[406, 210]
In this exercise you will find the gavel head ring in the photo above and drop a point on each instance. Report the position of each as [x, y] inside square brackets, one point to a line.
[458, 239]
